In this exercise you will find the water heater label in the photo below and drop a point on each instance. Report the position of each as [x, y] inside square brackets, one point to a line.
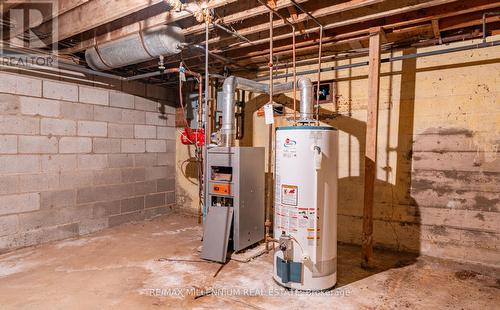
[289, 195]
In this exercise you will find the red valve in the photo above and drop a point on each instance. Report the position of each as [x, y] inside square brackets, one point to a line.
[191, 136]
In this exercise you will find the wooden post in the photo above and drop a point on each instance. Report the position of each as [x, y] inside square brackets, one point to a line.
[376, 35]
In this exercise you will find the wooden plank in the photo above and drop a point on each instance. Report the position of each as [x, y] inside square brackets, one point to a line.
[294, 16]
[371, 144]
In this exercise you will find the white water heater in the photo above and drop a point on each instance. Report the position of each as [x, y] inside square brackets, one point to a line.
[305, 216]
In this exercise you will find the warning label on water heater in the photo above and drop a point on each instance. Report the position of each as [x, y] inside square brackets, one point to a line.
[289, 195]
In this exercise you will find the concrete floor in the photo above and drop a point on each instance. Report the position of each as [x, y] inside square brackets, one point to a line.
[120, 268]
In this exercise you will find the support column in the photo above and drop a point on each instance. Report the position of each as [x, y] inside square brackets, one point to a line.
[376, 35]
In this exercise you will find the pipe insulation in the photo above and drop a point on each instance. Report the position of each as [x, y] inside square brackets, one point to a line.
[232, 83]
[145, 45]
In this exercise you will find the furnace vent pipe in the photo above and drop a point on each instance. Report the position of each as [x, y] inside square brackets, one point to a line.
[232, 83]
[145, 45]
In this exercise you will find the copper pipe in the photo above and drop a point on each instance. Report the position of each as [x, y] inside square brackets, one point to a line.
[270, 143]
[319, 72]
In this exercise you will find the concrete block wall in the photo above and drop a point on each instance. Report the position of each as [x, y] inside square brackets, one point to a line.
[75, 159]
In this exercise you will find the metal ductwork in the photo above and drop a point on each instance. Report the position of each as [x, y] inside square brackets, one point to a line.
[145, 45]
[232, 83]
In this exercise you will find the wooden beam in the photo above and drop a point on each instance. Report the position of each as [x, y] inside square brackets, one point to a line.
[371, 145]
[294, 17]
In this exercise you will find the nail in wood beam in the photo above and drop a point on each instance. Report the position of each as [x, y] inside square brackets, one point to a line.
[376, 37]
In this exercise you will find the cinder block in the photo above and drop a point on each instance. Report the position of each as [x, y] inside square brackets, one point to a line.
[106, 209]
[165, 185]
[8, 144]
[94, 95]
[9, 104]
[120, 160]
[133, 146]
[167, 107]
[107, 114]
[104, 193]
[92, 161]
[132, 217]
[121, 100]
[145, 132]
[143, 188]
[88, 226]
[53, 217]
[19, 125]
[20, 85]
[157, 211]
[104, 145]
[156, 146]
[60, 91]
[170, 198]
[120, 131]
[107, 177]
[76, 179]
[145, 160]
[170, 146]
[133, 175]
[157, 119]
[75, 145]
[133, 117]
[59, 198]
[38, 145]
[154, 173]
[19, 163]
[155, 200]
[58, 127]
[77, 111]
[19, 203]
[145, 104]
[58, 162]
[166, 133]
[8, 224]
[92, 129]
[166, 159]
[39, 106]
[38, 182]
[9, 184]
[132, 204]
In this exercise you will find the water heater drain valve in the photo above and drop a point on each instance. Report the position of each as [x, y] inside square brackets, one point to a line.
[285, 244]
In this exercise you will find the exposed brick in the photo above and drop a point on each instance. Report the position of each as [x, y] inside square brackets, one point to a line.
[9, 184]
[107, 176]
[92, 129]
[76, 179]
[8, 224]
[155, 200]
[132, 204]
[19, 203]
[104, 145]
[58, 198]
[58, 162]
[106, 209]
[146, 104]
[120, 131]
[20, 85]
[60, 91]
[92, 161]
[156, 146]
[133, 175]
[146, 187]
[39, 106]
[9, 104]
[133, 117]
[18, 125]
[121, 100]
[8, 144]
[94, 95]
[133, 146]
[75, 145]
[145, 160]
[107, 114]
[120, 160]
[116, 220]
[166, 132]
[165, 185]
[38, 182]
[77, 111]
[145, 132]
[37, 145]
[58, 127]
[19, 163]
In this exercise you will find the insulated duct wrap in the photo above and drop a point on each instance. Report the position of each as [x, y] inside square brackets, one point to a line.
[136, 48]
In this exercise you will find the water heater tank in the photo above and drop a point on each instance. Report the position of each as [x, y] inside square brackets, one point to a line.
[305, 218]
[164, 40]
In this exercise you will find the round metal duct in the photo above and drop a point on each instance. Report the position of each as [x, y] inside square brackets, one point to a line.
[148, 44]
